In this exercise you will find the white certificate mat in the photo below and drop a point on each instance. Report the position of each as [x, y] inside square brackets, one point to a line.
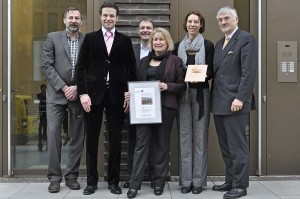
[145, 102]
[196, 73]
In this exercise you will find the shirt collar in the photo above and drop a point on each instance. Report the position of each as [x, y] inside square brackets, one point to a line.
[144, 47]
[67, 32]
[104, 31]
[229, 36]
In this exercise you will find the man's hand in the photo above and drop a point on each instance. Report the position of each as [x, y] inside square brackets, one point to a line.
[71, 93]
[236, 105]
[86, 102]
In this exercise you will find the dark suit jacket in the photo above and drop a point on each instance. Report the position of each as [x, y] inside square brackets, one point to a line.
[56, 65]
[173, 76]
[94, 63]
[137, 51]
[234, 73]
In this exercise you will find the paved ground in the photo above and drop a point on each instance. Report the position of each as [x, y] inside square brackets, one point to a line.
[260, 188]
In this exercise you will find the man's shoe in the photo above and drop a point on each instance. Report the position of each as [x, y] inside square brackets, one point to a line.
[72, 184]
[126, 184]
[131, 193]
[158, 191]
[90, 189]
[223, 187]
[235, 193]
[186, 190]
[115, 189]
[54, 187]
[197, 190]
[152, 185]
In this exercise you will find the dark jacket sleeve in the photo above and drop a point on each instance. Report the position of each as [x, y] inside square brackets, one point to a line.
[209, 57]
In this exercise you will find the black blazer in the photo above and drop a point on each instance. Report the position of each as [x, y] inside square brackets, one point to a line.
[234, 73]
[173, 76]
[94, 63]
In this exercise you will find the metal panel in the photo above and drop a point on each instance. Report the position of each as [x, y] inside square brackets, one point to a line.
[287, 61]
[283, 146]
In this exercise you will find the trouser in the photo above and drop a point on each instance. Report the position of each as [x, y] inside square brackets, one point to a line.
[55, 117]
[93, 120]
[193, 139]
[234, 147]
[144, 134]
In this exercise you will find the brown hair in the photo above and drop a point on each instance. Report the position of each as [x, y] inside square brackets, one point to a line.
[71, 9]
[202, 20]
[108, 4]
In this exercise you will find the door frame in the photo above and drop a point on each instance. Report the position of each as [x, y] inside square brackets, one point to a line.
[6, 169]
[1, 94]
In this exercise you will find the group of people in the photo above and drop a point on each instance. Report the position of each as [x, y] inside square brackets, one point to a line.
[89, 73]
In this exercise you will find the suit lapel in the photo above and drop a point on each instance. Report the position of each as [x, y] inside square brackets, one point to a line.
[115, 43]
[219, 53]
[137, 51]
[64, 40]
[81, 37]
[101, 42]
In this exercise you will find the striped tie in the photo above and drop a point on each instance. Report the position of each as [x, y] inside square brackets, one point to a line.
[225, 41]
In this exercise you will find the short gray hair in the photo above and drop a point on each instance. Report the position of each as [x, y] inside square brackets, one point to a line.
[226, 9]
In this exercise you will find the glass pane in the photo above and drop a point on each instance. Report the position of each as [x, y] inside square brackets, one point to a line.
[31, 21]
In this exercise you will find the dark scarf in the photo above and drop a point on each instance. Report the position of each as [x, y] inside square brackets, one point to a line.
[161, 68]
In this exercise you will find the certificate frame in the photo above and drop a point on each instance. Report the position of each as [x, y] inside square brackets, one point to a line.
[145, 102]
[196, 73]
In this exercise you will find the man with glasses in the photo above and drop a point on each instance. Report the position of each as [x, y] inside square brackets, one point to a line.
[235, 63]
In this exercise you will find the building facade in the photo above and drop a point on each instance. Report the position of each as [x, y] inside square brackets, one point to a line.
[273, 129]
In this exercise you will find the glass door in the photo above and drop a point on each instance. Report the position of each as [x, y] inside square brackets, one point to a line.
[31, 20]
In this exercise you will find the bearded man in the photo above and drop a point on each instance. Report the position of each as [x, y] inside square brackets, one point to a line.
[59, 60]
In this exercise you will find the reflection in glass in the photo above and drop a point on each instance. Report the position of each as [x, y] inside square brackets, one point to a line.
[31, 21]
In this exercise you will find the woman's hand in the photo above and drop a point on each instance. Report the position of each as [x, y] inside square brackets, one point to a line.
[126, 101]
[86, 102]
[163, 86]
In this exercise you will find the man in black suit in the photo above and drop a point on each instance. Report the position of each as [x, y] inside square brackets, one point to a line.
[141, 50]
[105, 64]
[235, 63]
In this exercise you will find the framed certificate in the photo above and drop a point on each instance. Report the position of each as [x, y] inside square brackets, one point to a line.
[196, 73]
[145, 102]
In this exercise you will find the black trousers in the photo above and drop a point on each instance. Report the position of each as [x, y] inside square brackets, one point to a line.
[234, 147]
[93, 121]
[131, 132]
[144, 133]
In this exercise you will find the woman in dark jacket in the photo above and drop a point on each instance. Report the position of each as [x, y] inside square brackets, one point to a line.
[194, 106]
[167, 68]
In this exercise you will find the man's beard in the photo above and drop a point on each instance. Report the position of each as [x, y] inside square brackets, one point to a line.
[73, 28]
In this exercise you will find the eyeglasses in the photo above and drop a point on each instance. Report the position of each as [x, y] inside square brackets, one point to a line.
[225, 19]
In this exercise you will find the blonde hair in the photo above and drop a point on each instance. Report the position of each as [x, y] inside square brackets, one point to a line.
[166, 35]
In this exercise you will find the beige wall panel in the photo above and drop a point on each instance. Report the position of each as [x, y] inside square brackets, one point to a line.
[209, 9]
[283, 146]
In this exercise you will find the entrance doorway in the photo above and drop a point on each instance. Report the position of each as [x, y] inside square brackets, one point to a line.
[31, 20]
